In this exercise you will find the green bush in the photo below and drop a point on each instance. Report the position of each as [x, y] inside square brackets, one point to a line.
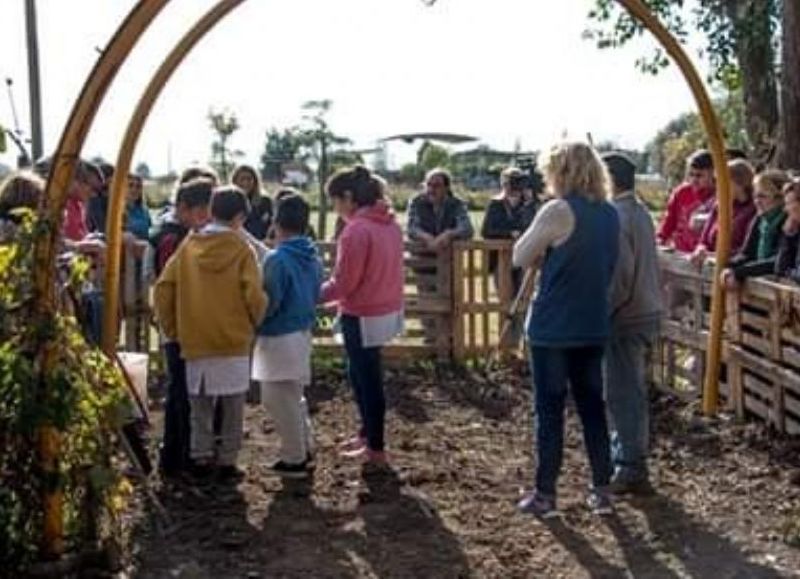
[82, 398]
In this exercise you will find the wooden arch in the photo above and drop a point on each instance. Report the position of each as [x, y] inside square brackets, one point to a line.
[82, 117]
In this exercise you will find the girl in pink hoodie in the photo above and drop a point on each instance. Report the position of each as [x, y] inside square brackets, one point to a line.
[367, 286]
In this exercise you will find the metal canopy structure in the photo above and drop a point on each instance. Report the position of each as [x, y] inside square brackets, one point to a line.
[80, 121]
[450, 138]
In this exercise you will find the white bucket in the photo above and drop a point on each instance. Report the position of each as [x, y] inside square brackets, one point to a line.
[135, 364]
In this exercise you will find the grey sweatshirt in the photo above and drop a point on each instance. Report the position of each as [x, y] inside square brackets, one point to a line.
[635, 289]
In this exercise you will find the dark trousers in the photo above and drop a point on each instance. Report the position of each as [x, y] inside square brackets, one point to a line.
[365, 372]
[582, 369]
[175, 449]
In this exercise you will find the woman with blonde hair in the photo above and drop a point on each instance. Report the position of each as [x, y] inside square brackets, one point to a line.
[575, 238]
[758, 254]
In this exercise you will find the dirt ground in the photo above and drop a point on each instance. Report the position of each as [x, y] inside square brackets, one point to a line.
[462, 454]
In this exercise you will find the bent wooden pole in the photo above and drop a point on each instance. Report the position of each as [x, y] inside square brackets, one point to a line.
[119, 184]
[716, 142]
[51, 209]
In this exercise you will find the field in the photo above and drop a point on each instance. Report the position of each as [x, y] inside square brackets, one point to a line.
[461, 450]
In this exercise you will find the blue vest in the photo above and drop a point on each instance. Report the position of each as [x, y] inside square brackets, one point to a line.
[572, 306]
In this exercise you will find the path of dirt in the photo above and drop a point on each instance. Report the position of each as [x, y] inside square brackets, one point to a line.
[462, 456]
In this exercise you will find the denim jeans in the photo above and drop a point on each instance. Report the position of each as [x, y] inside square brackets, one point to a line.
[582, 369]
[175, 448]
[365, 372]
[627, 399]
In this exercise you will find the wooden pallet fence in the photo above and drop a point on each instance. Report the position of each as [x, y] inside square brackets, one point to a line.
[760, 376]
[481, 300]
[428, 306]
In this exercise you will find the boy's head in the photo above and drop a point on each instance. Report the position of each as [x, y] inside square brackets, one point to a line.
[198, 172]
[192, 203]
[622, 170]
[700, 169]
[229, 206]
[291, 216]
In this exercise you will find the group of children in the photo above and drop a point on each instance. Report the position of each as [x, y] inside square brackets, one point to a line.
[766, 218]
[232, 310]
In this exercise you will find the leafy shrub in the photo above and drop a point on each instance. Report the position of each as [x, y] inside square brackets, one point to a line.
[82, 398]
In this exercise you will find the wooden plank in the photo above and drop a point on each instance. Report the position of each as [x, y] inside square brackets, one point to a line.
[459, 329]
[471, 297]
[756, 386]
[758, 344]
[757, 407]
[755, 322]
[485, 297]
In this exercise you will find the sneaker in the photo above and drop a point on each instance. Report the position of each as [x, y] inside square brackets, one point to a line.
[639, 487]
[599, 502]
[311, 461]
[538, 505]
[287, 470]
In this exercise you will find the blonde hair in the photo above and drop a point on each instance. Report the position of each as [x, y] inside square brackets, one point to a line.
[576, 168]
[771, 181]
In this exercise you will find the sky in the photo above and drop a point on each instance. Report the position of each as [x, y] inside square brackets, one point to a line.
[504, 71]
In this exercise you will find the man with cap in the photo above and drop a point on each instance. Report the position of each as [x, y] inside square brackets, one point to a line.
[635, 315]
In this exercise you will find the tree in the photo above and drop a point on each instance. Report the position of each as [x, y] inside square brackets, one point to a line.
[667, 152]
[431, 155]
[741, 37]
[789, 150]
[317, 137]
[281, 147]
[224, 124]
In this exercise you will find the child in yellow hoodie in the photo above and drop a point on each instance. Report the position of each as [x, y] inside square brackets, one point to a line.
[210, 299]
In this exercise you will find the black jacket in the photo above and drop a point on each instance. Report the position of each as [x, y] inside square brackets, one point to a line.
[501, 221]
[260, 217]
[423, 218]
[746, 263]
[787, 264]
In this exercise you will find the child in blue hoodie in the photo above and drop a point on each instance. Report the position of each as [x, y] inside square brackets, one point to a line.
[282, 353]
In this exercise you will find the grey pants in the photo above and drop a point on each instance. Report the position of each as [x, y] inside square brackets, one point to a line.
[287, 405]
[628, 403]
[230, 435]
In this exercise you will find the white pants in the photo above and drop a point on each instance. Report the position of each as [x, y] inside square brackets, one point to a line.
[286, 404]
[202, 435]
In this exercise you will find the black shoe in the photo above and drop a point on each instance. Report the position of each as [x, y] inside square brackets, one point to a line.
[201, 472]
[286, 470]
[229, 473]
[638, 487]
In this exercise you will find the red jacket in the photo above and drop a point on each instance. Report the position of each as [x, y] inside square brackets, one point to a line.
[368, 277]
[743, 215]
[74, 226]
[676, 226]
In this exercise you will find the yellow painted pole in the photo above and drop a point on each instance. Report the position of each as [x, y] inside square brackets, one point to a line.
[716, 142]
[51, 209]
[119, 186]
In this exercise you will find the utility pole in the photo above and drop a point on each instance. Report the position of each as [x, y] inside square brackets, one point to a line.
[322, 175]
[34, 82]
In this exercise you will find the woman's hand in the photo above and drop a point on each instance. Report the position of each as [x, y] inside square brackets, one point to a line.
[698, 258]
[728, 280]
